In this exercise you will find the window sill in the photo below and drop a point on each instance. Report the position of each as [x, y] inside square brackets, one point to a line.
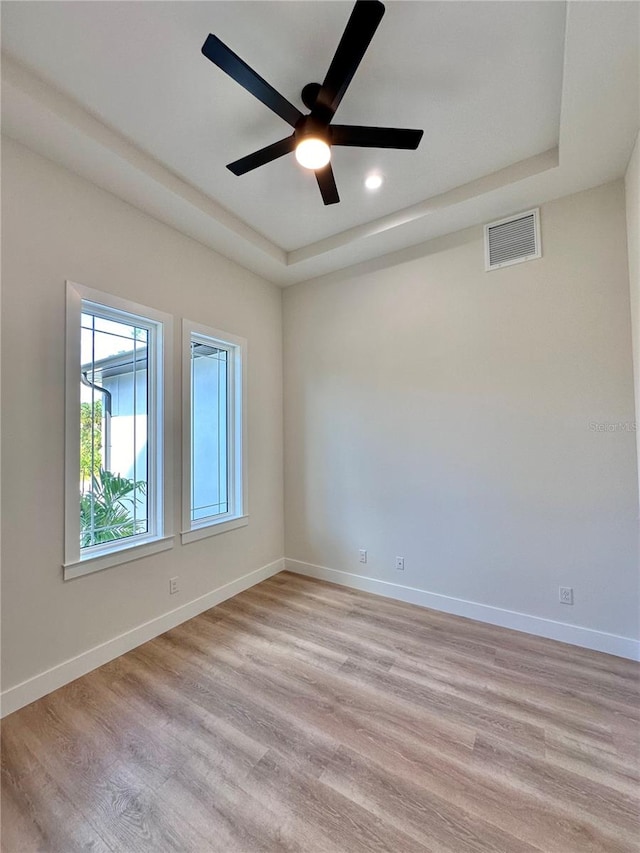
[124, 554]
[213, 528]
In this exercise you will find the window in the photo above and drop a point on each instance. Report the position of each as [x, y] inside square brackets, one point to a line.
[214, 477]
[116, 486]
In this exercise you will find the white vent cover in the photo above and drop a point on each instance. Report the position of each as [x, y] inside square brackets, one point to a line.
[512, 240]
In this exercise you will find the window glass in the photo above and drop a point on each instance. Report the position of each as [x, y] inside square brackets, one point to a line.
[114, 430]
[209, 430]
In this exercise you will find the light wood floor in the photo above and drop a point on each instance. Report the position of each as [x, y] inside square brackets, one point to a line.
[305, 716]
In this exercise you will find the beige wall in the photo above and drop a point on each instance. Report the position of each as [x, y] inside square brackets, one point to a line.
[632, 194]
[433, 411]
[57, 226]
[441, 413]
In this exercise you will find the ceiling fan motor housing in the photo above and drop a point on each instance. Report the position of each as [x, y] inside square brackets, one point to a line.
[311, 127]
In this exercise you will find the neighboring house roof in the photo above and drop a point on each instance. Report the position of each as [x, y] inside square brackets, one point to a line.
[117, 365]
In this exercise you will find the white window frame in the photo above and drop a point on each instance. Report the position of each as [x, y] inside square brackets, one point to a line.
[237, 515]
[79, 561]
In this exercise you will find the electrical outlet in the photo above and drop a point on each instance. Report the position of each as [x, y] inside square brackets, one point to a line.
[363, 555]
[400, 564]
[173, 586]
[566, 594]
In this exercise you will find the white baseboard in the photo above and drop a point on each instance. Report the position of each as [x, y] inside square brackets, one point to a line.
[625, 647]
[34, 688]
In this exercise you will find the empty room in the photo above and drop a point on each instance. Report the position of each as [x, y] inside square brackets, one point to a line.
[320, 389]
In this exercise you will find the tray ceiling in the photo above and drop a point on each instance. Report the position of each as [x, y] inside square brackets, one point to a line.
[488, 82]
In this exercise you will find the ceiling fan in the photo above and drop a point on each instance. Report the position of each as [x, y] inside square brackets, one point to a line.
[313, 134]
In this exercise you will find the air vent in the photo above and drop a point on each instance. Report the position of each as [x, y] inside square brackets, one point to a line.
[513, 240]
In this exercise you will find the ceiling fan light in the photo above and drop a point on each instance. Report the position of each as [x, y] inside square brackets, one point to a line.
[313, 153]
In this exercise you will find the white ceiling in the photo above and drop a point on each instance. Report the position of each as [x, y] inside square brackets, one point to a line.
[520, 102]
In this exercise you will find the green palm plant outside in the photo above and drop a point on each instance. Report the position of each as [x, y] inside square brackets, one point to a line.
[90, 438]
[106, 511]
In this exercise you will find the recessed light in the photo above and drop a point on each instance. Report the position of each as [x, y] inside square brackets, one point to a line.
[373, 182]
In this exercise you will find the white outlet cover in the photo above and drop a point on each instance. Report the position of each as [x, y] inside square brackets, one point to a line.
[566, 595]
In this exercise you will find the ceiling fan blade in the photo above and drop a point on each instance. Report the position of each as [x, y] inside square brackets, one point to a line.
[375, 137]
[231, 64]
[327, 184]
[264, 155]
[362, 24]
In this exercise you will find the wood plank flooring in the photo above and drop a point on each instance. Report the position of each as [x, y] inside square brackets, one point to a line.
[302, 716]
